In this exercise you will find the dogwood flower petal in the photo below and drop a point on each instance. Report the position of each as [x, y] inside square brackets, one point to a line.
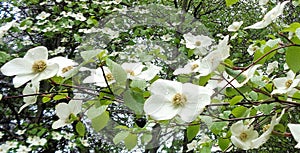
[17, 66]
[235, 26]
[37, 53]
[30, 88]
[295, 129]
[19, 80]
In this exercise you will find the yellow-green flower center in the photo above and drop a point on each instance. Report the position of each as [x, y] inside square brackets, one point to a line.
[194, 66]
[266, 127]
[39, 66]
[179, 100]
[198, 43]
[288, 83]
[109, 77]
[130, 72]
[243, 136]
[66, 69]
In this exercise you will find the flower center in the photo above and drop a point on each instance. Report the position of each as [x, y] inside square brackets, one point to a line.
[109, 77]
[198, 43]
[288, 83]
[39, 66]
[194, 66]
[243, 136]
[179, 100]
[266, 127]
[66, 69]
[130, 72]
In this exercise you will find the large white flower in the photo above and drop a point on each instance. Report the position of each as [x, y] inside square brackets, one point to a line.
[132, 69]
[243, 135]
[30, 88]
[171, 98]
[235, 26]
[66, 113]
[33, 66]
[97, 76]
[199, 43]
[285, 84]
[269, 17]
[295, 129]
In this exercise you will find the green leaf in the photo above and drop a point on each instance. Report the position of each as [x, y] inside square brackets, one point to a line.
[296, 97]
[46, 99]
[292, 27]
[120, 136]
[117, 71]
[192, 131]
[217, 127]
[94, 112]
[80, 128]
[141, 84]
[134, 101]
[239, 111]
[231, 2]
[4, 57]
[265, 108]
[59, 97]
[241, 78]
[203, 80]
[89, 54]
[235, 100]
[292, 58]
[146, 138]
[130, 141]
[99, 122]
[223, 143]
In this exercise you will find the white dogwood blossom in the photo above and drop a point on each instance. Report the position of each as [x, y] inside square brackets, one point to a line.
[171, 98]
[285, 84]
[66, 113]
[235, 26]
[269, 17]
[33, 66]
[30, 88]
[97, 76]
[200, 43]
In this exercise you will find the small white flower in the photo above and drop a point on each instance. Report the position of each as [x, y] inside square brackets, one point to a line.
[30, 88]
[66, 113]
[200, 43]
[33, 66]
[210, 62]
[235, 26]
[43, 15]
[191, 67]
[269, 17]
[97, 76]
[6, 27]
[252, 49]
[171, 98]
[263, 2]
[20, 132]
[247, 75]
[84, 142]
[193, 145]
[295, 129]
[36, 141]
[1, 134]
[243, 135]
[56, 135]
[271, 67]
[134, 71]
[285, 84]
[166, 37]
[80, 17]
[23, 149]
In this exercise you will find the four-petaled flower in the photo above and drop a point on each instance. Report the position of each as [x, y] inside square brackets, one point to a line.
[97, 76]
[67, 113]
[285, 84]
[33, 66]
[171, 98]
